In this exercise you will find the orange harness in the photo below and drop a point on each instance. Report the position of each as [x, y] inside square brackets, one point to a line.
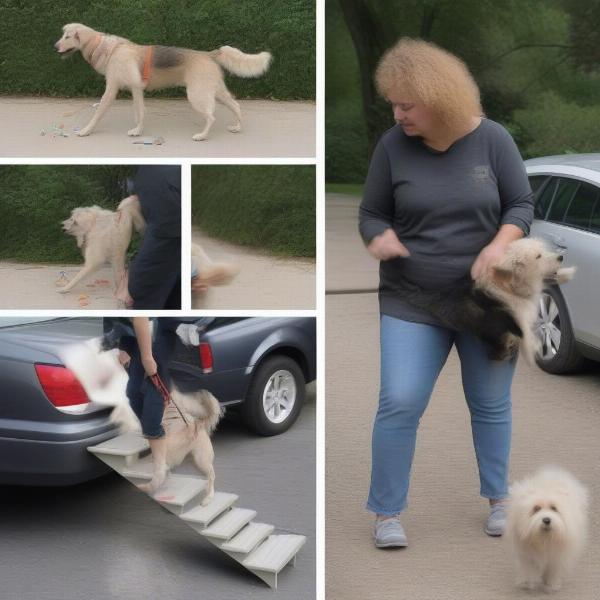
[147, 68]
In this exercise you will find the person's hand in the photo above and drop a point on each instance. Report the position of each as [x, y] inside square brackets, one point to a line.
[149, 365]
[490, 256]
[387, 246]
[124, 358]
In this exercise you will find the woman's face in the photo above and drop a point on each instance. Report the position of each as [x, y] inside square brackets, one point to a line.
[414, 118]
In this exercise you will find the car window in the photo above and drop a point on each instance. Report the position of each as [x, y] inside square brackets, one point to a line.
[543, 200]
[562, 198]
[595, 220]
[579, 213]
[535, 181]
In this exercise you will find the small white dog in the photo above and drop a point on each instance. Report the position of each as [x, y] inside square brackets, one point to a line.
[546, 527]
[104, 236]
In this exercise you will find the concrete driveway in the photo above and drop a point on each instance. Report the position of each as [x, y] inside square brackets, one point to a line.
[104, 540]
[556, 420]
[45, 127]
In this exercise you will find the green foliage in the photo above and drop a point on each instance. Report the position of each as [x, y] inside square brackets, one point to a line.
[30, 66]
[268, 207]
[34, 199]
[527, 56]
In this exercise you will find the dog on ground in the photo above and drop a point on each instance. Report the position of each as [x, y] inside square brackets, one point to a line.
[127, 65]
[501, 307]
[189, 419]
[104, 237]
[208, 273]
[546, 527]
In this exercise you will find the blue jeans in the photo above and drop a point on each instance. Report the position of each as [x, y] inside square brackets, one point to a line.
[412, 356]
[145, 400]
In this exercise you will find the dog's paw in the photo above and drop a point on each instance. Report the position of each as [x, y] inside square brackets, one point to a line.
[63, 290]
[235, 128]
[527, 584]
[83, 132]
[148, 488]
[135, 131]
[199, 137]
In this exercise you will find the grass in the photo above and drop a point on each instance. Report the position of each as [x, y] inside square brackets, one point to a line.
[350, 189]
[267, 207]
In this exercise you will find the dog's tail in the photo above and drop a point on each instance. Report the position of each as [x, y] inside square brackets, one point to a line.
[201, 406]
[241, 64]
[131, 206]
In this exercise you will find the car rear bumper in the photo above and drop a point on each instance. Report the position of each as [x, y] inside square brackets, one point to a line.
[47, 458]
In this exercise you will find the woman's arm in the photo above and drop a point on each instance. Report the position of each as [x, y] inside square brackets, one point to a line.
[376, 212]
[141, 326]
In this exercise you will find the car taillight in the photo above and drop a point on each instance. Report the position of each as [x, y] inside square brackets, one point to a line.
[206, 357]
[60, 385]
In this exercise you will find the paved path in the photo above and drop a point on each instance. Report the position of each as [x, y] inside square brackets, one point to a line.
[33, 286]
[556, 420]
[264, 281]
[271, 129]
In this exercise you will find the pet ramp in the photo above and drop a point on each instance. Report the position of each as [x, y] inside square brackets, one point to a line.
[232, 530]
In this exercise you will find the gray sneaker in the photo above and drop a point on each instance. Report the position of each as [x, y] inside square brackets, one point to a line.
[389, 533]
[496, 521]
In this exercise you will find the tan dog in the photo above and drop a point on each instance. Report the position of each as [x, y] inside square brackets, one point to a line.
[137, 68]
[103, 237]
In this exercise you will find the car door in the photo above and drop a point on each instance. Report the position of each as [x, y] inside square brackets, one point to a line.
[568, 218]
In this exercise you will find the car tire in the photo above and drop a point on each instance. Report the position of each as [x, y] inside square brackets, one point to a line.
[558, 354]
[275, 396]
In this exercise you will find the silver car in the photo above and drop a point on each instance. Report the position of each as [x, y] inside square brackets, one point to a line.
[567, 216]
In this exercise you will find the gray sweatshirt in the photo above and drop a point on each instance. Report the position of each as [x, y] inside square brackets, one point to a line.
[444, 207]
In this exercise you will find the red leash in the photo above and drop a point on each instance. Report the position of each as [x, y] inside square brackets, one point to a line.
[164, 392]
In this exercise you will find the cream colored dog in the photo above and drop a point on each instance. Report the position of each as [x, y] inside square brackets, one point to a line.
[546, 527]
[137, 68]
[103, 237]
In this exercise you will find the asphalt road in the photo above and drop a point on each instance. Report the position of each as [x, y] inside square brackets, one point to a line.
[556, 421]
[45, 127]
[104, 540]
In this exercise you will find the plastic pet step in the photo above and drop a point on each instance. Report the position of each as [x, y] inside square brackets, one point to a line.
[248, 538]
[201, 516]
[226, 526]
[121, 451]
[178, 492]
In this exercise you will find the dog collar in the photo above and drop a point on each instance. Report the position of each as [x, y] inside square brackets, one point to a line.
[103, 47]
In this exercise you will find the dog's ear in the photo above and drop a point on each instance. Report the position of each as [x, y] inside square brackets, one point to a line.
[501, 275]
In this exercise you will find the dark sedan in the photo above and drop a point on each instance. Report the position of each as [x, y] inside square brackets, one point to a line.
[260, 365]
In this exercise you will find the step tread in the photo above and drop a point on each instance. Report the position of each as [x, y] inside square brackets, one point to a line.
[229, 523]
[142, 469]
[203, 515]
[178, 490]
[248, 538]
[121, 445]
[274, 553]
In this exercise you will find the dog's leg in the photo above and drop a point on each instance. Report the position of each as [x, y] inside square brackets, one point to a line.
[159, 463]
[229, 101]
[203, 459]
[203, 101]
[85, 271]
[138, 111]
[110, 93]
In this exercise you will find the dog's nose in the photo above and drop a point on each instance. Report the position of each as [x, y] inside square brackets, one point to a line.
[546, 521]
[560, 258]
[56, 46]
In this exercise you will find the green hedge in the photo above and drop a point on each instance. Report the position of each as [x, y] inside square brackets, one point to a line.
[34, 199]
[286, 28]
[270, 207]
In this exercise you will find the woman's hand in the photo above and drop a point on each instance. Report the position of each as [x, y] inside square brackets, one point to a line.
[387, 246]
[124, 358]
[491, 255]
[149, 365]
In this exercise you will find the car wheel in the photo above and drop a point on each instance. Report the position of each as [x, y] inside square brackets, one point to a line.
[558, 353]
[275, 396]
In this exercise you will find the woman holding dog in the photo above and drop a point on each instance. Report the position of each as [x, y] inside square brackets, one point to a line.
[445, 194]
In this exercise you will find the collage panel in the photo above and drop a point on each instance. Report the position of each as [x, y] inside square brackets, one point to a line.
[159, 79]
[253, 237]
[91, 237]
[217, 494]
[462, 325]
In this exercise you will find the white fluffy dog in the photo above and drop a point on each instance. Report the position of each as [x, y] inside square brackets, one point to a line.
[104, 237]
[546, 527]
[210, 273]
[105, 381]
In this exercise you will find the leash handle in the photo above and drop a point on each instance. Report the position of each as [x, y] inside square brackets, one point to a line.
[160, 386]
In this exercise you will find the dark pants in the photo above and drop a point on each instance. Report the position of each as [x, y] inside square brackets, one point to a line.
[145, 400]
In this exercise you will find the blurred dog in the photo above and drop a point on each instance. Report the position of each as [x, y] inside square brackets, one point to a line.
[546, 527]
[207, 273]
[104, 237]
[501, 307]
[189, 419]
[130, 66]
